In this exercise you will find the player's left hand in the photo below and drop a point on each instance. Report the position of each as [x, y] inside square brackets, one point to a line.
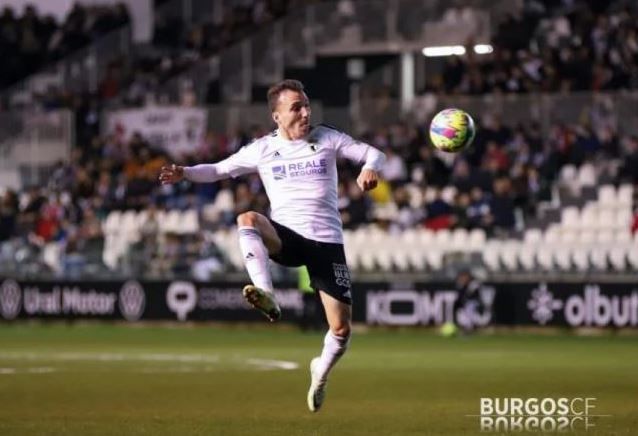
[368, 180]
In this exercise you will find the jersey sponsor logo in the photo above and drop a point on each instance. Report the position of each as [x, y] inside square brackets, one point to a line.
[279, 172]
[342, 275]
[300, 169]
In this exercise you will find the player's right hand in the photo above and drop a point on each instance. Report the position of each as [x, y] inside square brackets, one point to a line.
[171, 174]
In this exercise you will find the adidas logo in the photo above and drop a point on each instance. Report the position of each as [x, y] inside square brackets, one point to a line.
[250, 256]
[313, 147]
[347, 294]
[277, 154]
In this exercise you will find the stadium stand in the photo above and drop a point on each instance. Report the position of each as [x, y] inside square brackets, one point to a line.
[525, 198]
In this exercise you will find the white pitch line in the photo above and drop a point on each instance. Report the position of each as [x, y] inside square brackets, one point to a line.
[141, 357]
[111, 357]
[41, 370]
[273, 364]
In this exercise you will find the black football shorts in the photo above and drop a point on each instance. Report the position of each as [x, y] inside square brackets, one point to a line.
[326, 262]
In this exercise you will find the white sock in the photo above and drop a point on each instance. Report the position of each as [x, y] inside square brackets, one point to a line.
[333, 348]
[255, 257]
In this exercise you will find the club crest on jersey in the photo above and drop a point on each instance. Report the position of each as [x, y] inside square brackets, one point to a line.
[279, 172]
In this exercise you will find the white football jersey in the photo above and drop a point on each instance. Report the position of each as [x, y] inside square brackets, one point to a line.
[300, 177]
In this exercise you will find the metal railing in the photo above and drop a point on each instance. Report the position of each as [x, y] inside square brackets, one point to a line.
[31, 142]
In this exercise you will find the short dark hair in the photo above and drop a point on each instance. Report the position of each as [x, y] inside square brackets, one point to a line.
[275, 90]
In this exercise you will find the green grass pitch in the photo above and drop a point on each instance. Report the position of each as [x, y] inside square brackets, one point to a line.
[102, 379]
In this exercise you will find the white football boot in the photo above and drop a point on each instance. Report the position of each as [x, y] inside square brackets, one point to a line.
[263, 301]
[317, 391]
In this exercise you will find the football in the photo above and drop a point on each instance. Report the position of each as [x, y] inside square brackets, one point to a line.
[452, 130]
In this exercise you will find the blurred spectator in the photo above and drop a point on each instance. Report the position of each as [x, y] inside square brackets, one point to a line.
[438, 213]
[394, 169]
[30, 41]
[479, 212]
[8, 215]
[356, 210]
[468, 306]
[502, 205]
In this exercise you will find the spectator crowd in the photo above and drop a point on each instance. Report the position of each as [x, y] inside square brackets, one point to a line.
[496, 185]
[508, 169]
[553, 46]
[30, 41]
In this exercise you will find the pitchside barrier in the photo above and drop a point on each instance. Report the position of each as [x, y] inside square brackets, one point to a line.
[611, 305]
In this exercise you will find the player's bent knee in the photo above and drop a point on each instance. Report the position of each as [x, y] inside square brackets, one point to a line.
[248, 219]
[342, 331]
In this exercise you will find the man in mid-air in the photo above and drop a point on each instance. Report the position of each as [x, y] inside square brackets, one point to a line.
[297, 166]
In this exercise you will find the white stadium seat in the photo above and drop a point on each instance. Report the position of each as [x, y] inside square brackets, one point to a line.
[587, 175]
[622, 237]
[625, 195]
[434, 259]
[618, 257]
[544, 257]
[477, 239]
[605, 237]
[112, 222]
[491, 255]
[533, 236]
[425, 237]
[606, 219]
[569, 178]
[460, 240]
[562, 257]
[527, 255]
[569, 237]
[443, 238]
[589, 217]
[580, 258]
[587, 237]
[570, 217]
[189, 222]
[509, 254]
[598, 257]
[552, 234]
[623, 219]
[607, 195]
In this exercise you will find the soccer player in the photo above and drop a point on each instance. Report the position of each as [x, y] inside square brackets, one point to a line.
[297, 166]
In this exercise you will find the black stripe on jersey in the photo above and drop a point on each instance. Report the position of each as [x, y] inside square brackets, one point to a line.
[329, 126]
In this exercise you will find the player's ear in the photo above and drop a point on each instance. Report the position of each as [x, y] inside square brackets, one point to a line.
[275, 117]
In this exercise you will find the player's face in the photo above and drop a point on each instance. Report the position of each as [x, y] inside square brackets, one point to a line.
[293, 114]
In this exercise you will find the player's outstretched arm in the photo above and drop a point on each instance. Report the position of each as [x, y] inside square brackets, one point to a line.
[243, 162]
[203, 173]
